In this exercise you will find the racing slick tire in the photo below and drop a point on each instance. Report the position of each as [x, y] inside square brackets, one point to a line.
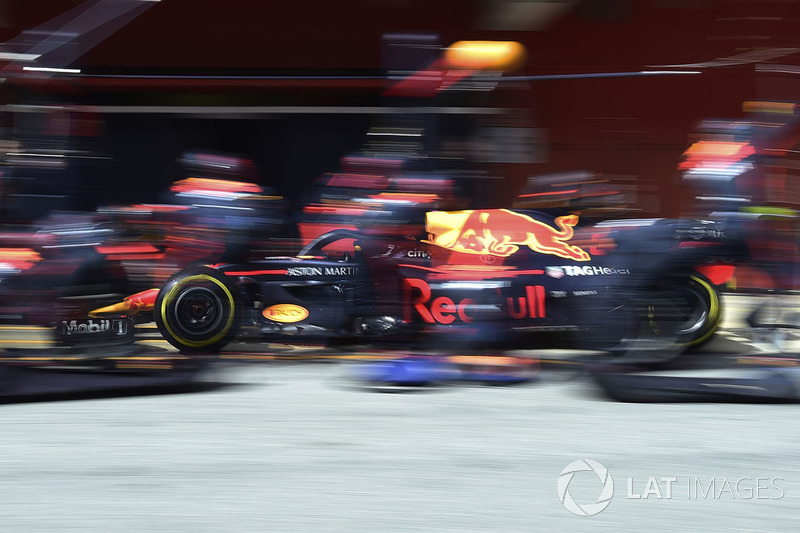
[664, 319]
[705, 316]
[198, 311]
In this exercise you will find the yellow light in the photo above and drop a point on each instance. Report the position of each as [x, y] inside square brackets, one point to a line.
[485, 55]
[783, 108]
[720, 149]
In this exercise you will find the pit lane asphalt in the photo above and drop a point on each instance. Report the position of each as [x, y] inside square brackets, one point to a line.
[294, 446]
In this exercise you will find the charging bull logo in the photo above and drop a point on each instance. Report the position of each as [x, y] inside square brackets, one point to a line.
[501, 232]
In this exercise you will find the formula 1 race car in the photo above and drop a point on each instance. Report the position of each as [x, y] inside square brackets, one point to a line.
[481, 276]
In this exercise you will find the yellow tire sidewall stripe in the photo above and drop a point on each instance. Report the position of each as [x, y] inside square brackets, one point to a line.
[714, 308]
[171, 296]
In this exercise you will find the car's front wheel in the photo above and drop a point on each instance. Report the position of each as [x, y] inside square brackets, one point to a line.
[198, 311]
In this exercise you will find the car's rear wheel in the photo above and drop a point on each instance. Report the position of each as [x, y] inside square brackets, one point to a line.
[198, 311]
[663, 319]
[705, 309]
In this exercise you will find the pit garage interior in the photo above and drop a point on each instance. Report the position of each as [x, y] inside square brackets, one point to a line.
[297, 86]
